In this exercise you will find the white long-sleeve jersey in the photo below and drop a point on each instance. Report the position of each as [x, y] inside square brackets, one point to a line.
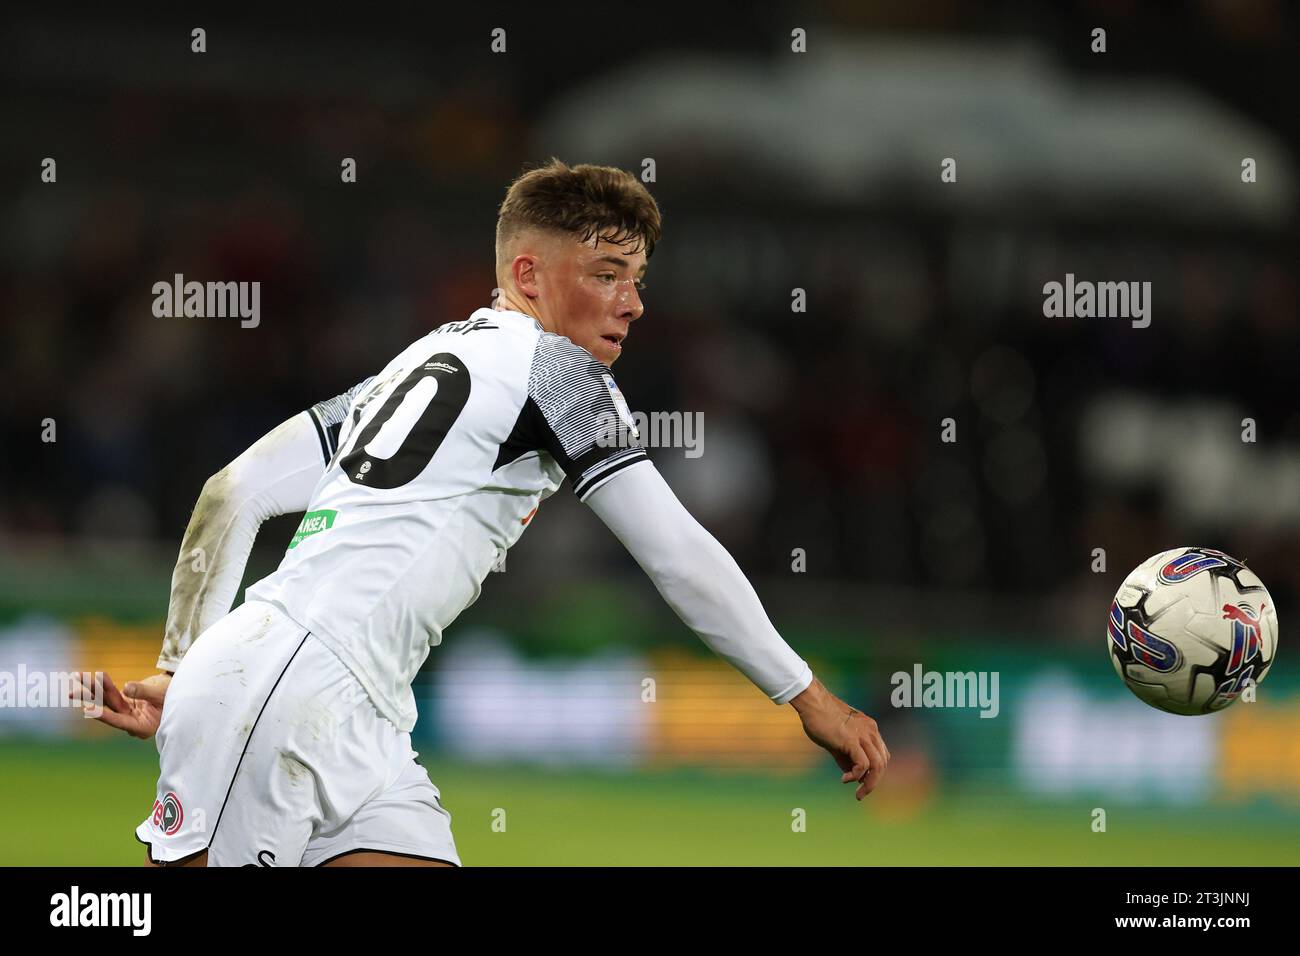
[424, 475]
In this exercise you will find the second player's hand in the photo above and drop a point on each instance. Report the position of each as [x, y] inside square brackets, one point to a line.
[847, 734]
[136, 709]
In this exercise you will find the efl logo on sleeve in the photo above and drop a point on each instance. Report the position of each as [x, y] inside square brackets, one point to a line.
[620, 403]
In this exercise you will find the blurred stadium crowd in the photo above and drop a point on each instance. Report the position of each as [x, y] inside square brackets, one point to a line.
[774, 172]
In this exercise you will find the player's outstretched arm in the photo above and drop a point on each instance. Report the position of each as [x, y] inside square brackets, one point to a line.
[702, 582]
[276, 475]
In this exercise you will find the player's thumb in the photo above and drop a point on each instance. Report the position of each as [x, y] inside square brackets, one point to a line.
[150, 693]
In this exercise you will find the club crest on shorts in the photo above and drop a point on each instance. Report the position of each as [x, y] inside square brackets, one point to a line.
[620, 403]
[168, 814]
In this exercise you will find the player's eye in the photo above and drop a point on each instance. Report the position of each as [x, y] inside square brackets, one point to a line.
[606, 275]
[640, 285]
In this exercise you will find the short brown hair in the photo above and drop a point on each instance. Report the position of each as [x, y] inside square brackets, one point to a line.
[582, 201]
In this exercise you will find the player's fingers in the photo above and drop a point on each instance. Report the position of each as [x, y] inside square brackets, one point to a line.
[860, 764]
[113, 698]
[878, 743]
[868, 728]
[870, 731]
[872, 779]
[145, 690]
[83, 689]
[120, 721]
[78, 691]
[844, 758]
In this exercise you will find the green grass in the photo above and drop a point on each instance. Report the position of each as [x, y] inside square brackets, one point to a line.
[77, 803]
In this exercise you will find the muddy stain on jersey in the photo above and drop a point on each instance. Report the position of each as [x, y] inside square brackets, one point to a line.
[208, 532]
[294, 769]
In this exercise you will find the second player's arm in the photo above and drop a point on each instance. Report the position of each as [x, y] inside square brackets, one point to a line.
[702, 582]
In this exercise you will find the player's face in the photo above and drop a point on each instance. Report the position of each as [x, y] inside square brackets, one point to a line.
[592, 292]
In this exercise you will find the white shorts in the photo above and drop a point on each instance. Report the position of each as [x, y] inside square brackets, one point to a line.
[272, 754]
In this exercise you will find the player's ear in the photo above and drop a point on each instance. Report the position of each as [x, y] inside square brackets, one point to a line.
[525, 272]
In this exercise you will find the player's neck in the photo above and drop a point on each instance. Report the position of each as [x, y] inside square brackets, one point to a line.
[508, 301]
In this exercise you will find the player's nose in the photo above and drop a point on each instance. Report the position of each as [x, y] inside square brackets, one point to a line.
[630, 306]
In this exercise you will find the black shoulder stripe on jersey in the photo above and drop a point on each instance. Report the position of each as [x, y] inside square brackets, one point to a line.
[329, 415]
[320, 433]
[568, 386]
[601, 472]
[581, 419]
[527, 435]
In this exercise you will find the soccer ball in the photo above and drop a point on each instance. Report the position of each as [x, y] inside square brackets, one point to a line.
[1190, 629]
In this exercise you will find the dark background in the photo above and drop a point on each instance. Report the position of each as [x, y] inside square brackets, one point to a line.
[821, 428]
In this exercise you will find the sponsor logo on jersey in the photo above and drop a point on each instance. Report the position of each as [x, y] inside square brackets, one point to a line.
[312, 523]
[168, 815]
[620, 403]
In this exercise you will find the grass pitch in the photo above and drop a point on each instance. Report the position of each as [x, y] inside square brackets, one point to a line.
[77, 803]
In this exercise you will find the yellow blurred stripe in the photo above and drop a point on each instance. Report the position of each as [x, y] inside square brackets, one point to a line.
[1260, 751]
[706, 713]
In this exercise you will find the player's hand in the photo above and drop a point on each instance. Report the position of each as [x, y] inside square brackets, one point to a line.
[136, 708]
[847, 734]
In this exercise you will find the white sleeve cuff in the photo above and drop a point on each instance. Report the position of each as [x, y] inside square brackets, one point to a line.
[800, 685]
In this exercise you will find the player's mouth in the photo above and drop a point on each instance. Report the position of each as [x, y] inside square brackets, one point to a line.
[615, 339]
